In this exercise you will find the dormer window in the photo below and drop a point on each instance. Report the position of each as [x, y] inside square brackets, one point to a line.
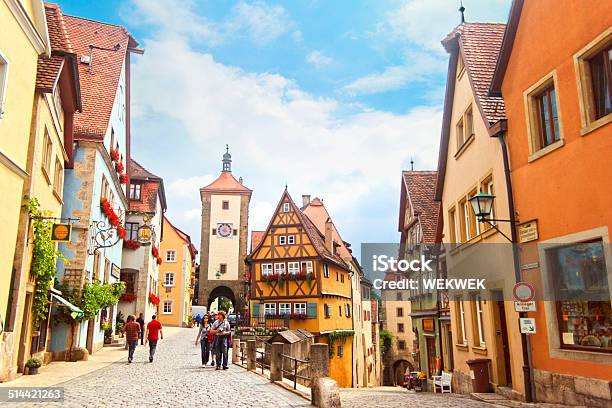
[135, 191]
[286, 207]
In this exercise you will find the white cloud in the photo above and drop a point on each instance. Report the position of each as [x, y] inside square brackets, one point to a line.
[261, 22]
[318, 59]
[419, 66]
[256, 21]
[279, 134]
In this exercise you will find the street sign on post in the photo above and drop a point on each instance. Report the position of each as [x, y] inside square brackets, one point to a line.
[523, 292]
[525, 306]
[528, 325]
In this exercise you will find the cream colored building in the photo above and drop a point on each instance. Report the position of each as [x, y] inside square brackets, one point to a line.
[470, 162]
[24, 38]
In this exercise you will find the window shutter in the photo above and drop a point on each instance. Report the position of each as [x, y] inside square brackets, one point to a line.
[255, 310]
[311, 309]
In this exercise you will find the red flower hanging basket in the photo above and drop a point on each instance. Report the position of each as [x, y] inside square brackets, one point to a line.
[154, 299]
[114, 155]
[131, 244]
[128, 297]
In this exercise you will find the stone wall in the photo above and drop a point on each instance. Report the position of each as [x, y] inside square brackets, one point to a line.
[564, 389]
[461, 383]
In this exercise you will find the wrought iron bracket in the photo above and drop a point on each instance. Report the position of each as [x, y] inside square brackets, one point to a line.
[101, 235]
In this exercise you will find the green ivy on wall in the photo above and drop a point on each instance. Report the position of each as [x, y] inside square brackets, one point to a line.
[386, 340]
[44, 258]
[334, 337]
[93, 297]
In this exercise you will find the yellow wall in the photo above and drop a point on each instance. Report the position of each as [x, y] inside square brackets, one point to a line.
[180, 293]
[14, 131]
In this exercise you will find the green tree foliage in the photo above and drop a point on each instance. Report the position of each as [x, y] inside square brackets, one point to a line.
[44, 258]
[225, 304]
[386, 339]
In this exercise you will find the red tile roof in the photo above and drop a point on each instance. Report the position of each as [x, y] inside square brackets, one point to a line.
[58, 35]
[226, 182]
[256, 237]
[480, 45]
[47, 72]
[98, 85]
[152, 188]
[419, 187]
[48, 69]
[185, 237]
[318, 214]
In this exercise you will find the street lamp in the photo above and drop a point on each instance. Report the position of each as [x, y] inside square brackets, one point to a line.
[482, 204]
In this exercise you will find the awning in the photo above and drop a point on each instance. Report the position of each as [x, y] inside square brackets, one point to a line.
[76, 312]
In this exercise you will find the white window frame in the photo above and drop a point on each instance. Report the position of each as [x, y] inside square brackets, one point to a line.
[286, 207]
[300, 308]
[59, 109]
[167, 303]
[4, 72]
[279, 267]
[171, 280]
[290, 239]
[284, 308]
[266, 269]
[293, 267]
[282, 240]
[479, 321]
[307, 266]
[325, 270]
[462, 322]
[269, 309]
[173, 252]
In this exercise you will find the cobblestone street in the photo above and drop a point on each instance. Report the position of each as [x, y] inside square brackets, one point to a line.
[394, 397]
[175, 379]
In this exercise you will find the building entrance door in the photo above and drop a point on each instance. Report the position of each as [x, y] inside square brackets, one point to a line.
[430, 343]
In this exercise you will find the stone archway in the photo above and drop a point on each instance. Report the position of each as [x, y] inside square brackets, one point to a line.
[399, 368]
[221, 291]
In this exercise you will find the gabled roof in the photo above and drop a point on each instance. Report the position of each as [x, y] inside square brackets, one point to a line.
[479, 45]
[98, 85]
[256, 238]
[318, 214]
[62, 57]
[185, 237]
[314, 235]
[226, 183]
[418, 188]
[151, 188]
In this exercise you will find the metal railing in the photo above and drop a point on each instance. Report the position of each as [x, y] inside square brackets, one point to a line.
[261, 360]
[294, 373]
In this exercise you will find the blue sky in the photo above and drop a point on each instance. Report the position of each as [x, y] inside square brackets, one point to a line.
[332, 98]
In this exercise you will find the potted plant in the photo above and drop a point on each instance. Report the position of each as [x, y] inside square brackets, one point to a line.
[108, 332]
[33, 365]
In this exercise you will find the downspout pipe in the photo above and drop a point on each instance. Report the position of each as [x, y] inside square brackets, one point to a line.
[525, 343]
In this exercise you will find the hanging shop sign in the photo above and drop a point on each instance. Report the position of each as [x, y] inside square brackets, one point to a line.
[61, 232]
[428, 325]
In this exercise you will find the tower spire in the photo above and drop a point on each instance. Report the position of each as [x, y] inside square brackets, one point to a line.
[462, 10]
[227, 160]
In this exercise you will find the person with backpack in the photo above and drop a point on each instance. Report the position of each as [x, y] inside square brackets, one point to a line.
[222, 330]
[203, 338]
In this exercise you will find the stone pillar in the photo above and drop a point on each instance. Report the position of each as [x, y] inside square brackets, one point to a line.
[251, 354]
[276, 362]
[319, 361]
[236, 351]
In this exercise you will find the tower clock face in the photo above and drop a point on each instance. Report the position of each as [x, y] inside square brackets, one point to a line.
[224, 230]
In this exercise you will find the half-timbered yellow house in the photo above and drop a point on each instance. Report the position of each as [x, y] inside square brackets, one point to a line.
[295, 271]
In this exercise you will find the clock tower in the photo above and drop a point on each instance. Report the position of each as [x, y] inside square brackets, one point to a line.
[225, 217]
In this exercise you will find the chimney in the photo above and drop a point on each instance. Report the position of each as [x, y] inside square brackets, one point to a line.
[240, 180]
[329, 238]
[305, 200]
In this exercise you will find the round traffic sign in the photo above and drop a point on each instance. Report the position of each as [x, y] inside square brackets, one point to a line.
[523, 292]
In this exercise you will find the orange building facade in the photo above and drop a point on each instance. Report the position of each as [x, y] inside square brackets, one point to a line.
[297, 273]
[554, 73]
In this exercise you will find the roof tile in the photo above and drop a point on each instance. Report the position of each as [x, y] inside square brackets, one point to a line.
[421, 186]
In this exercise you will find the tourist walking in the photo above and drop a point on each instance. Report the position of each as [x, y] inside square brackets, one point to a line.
[141, 322]
[132, 333]
[154, 334]
[205, 345]
[198, 319]
[222, 330]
